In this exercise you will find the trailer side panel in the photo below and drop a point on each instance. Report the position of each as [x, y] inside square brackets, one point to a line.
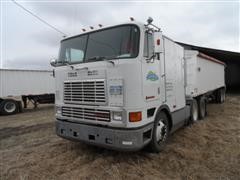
[209, 76]
[25, 82]
[203, 74]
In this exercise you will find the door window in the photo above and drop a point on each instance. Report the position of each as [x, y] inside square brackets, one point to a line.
[148, 45]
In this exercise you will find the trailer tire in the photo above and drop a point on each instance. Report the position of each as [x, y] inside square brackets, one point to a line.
[202, 107]
[194, 111]
[160, 132]
[222, 96]
[8, 107]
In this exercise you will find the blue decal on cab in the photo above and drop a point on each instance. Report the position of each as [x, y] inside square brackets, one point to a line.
[152, 76]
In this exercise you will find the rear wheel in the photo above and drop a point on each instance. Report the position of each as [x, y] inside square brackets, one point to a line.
[220, 96]
[8, 106]
[194, 111]
[202, 107]
[160, 132]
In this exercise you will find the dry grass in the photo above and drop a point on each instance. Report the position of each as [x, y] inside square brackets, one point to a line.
[210, 149]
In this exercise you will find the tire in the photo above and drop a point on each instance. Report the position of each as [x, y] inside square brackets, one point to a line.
[8, 107]
[220, 96]
[202, 107]
[160, 133]
[194, 111]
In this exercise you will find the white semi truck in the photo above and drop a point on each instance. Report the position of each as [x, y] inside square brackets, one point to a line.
[127, 86]
[19, 87]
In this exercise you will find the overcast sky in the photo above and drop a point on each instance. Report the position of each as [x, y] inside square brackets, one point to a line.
[29, 44]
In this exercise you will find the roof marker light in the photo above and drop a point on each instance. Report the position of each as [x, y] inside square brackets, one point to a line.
[131, 18]
[100, 25]
[91, 27]
[149, 20]
[83, 30]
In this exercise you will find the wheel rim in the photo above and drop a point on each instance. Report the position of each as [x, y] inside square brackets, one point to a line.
[195, 112]
[161, 131]
[9, 107]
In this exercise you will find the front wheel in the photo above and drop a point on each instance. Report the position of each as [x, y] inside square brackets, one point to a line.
[160, 132]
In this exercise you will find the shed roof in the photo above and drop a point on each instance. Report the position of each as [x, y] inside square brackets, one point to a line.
[222, 55]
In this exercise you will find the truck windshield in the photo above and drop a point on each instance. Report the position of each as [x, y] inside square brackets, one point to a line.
[113, 43]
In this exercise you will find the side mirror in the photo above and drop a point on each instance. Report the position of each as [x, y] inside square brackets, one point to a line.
[53, 62]
[158, 42]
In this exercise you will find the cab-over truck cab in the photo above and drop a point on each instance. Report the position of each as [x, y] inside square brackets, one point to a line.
[120, 87]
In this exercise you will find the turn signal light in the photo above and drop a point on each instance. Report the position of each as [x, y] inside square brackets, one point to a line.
[135, 116]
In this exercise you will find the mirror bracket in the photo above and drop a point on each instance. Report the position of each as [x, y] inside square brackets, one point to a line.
[151, 59]
[53, 62]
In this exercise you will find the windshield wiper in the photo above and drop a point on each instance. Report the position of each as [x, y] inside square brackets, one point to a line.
[101, 58]
[68, 64]
[96, 58]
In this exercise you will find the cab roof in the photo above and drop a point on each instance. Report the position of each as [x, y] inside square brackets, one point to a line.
[138, 24]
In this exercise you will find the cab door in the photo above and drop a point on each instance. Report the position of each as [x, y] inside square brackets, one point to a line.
[151, 75]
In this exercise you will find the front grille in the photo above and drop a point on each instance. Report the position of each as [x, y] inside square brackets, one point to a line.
[86, 113]
[85, 92]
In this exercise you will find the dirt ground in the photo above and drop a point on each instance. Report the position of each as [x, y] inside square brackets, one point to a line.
[209, 149]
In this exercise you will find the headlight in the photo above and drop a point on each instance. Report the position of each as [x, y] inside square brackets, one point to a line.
[117, 116]
[116, 90]
[58, 109]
